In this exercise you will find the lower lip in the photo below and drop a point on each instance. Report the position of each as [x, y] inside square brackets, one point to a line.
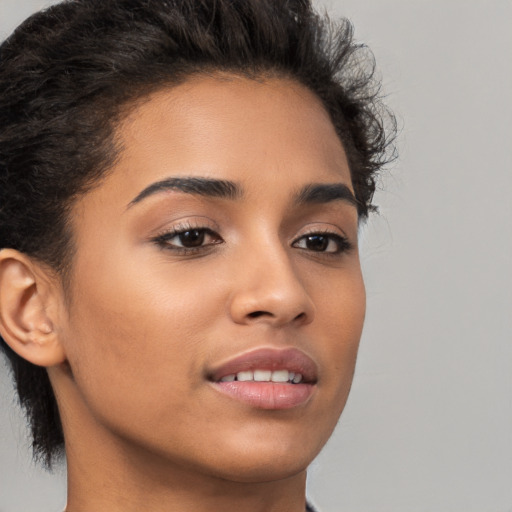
[267, 395]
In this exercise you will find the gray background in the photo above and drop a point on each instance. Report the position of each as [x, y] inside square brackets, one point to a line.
[428, 426]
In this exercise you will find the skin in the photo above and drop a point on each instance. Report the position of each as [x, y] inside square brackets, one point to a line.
[128, 347]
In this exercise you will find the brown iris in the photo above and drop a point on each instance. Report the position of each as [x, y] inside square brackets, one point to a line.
[192, 238]
[317, 242]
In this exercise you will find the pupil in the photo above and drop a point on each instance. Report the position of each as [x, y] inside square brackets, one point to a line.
[317, 243]
[192, 238]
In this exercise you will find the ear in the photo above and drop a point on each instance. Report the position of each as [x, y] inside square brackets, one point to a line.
[28, 296]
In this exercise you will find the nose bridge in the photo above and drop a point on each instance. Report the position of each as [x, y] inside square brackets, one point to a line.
[268, 287]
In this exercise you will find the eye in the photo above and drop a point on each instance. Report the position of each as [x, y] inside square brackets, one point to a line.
[191, 238]
[330, 243]
[188, 239]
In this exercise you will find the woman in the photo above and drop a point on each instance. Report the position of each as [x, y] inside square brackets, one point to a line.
[180, 290]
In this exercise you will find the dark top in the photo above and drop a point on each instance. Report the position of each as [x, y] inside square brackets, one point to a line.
[309, 508]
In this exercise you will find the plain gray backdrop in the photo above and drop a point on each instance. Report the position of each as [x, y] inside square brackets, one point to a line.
[428, 425]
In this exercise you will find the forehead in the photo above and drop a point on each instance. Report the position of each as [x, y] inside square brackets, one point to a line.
[234, 123]
[273, 137]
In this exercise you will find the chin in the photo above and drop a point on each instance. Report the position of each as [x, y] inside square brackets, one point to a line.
[269, 470]
[264, 461]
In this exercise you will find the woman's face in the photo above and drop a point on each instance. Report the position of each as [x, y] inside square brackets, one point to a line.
[221, 247]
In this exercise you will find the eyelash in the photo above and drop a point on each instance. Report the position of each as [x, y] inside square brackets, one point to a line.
[163, 240]
[343, 243]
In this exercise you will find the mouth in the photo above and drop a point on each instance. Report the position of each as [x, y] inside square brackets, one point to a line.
[281, 376]
[267, 378]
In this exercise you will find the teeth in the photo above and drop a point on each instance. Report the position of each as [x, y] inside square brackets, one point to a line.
[281, 376]
[244, 376]
[264, 376]
[297, 378]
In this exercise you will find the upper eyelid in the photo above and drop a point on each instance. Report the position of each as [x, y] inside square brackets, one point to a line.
[331, 230]
[184, 225]
[174, 232]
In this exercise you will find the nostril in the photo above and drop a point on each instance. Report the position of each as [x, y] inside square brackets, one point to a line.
[257, 314]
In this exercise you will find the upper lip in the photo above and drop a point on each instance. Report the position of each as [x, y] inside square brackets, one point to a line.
[290, 359]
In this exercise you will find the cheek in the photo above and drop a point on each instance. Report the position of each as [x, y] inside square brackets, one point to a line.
[339, 323]
[136, 339]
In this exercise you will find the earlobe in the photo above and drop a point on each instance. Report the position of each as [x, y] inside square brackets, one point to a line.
[25, 324]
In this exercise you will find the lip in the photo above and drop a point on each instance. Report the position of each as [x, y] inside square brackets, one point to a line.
[290, 359]
[268, 395]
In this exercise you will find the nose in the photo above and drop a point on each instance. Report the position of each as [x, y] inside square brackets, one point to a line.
[269, 290]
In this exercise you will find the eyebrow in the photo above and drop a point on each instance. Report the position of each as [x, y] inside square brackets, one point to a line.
[315, 193]
[319, 193]
[197, 186]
